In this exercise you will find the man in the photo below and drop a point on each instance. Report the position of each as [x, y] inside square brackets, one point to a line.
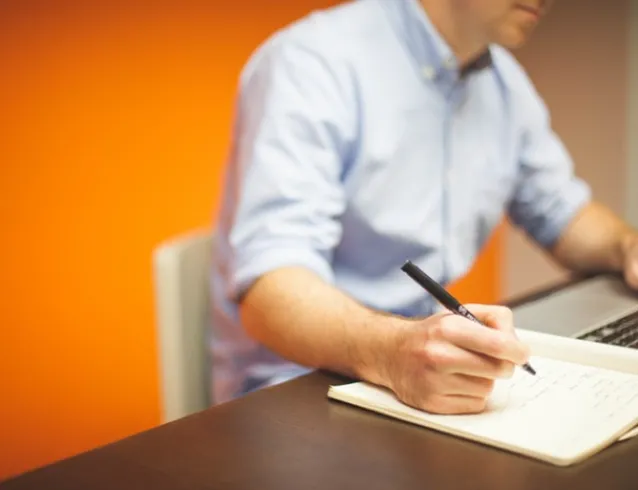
[372, 133]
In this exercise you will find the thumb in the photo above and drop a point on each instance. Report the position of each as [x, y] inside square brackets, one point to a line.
[497, 317]
[500, 318]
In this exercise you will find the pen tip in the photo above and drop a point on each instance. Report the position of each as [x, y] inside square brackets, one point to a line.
[529, 369]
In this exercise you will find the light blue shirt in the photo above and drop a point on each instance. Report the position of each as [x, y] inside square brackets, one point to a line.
[357, 145]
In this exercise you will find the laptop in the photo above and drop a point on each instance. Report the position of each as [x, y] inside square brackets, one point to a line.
[599, 309]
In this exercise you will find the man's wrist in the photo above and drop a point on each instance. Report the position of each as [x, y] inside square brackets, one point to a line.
[382, 338]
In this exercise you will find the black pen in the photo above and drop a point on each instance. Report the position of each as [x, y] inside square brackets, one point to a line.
[443, 297]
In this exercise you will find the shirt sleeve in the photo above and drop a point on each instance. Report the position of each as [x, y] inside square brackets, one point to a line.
[548, 193]
[292, 139]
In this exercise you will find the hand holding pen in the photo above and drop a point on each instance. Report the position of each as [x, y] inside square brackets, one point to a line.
[446, 363]
[445, 298]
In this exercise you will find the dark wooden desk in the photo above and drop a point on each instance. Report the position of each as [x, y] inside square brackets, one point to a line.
[292, 437]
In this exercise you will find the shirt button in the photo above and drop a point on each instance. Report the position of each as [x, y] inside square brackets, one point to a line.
[428, 72]
[449, 63]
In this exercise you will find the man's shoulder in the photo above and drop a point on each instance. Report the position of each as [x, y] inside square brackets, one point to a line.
[335, 34]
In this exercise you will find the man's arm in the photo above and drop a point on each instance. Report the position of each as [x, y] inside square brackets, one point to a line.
[444, 363]
[295, 127]
[294, 312]
[554, 205]
[597, 240]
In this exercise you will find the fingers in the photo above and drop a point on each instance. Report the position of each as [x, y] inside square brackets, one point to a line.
[448, 364]
[451, 359]
[464, 385]
[477, 338]
[498, 317]
[452, 405]
[449, 393]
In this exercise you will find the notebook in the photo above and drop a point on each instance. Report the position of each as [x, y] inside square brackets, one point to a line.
[583, 399]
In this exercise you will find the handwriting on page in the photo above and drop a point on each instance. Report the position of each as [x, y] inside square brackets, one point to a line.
[596, 389]
[567, 402]
[564, 408]
[564, 412]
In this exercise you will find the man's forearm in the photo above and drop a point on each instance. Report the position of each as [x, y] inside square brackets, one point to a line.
[596, 240]
[296, 314]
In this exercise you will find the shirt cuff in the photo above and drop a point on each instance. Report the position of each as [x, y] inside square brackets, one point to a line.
[561, 214]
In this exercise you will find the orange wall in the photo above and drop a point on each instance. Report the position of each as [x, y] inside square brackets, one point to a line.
[114, 129]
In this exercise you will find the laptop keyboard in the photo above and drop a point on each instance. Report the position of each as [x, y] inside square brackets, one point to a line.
[623, 332]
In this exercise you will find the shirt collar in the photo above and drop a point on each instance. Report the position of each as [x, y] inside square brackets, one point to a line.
[431, 51]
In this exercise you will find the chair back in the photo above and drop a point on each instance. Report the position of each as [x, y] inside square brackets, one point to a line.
[181, 271]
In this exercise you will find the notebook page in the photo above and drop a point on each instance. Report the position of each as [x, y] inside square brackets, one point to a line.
[568, 412]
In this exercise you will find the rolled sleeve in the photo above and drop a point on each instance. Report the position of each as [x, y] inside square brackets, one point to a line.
[249, 267]
[548, 193]
[292, 140]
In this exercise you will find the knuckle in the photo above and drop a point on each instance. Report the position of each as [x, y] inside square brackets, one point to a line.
[436, 329]
[435, 356]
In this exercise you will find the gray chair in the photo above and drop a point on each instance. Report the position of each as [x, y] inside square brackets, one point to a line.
[181, 268]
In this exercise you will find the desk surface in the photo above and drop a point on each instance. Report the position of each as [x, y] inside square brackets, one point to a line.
[292, 437]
